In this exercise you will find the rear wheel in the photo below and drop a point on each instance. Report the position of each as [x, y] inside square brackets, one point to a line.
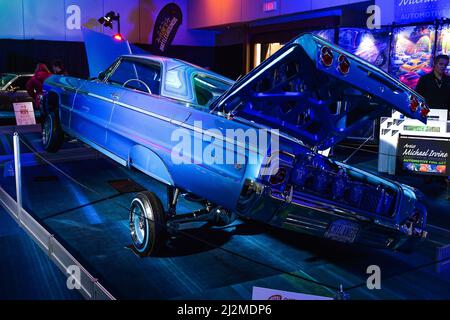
[147, 224]
[52, 134]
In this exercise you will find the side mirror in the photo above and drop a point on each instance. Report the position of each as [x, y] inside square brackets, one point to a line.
[101, 76]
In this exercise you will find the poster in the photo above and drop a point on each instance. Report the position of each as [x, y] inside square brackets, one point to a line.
[424, 155]
[370, 45]
[443, 42]
[166, 26]
[411, 54]
[326, 34]
[24, 113]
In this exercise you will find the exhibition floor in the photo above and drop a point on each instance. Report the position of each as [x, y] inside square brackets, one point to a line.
[90, 218]
[26, 273]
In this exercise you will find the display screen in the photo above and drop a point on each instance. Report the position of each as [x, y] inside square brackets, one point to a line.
[411, 54]
[370, 45]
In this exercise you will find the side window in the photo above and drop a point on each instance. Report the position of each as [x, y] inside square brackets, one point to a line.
[151, 75]
[138, 76]
[123, 73]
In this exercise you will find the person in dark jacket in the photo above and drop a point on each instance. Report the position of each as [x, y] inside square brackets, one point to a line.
[58, 68]
[36, 82]
[34, 85]
[435, 86]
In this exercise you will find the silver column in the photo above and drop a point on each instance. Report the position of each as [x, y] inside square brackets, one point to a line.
[17, 172]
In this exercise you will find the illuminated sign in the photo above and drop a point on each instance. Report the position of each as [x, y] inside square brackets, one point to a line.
[421, 10]
[270, 6]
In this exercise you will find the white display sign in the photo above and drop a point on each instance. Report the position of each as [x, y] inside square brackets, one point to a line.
[24, 113]
[272, 294]
[390, 128]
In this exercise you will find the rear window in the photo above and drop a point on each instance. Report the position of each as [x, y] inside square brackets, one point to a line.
[208, 88]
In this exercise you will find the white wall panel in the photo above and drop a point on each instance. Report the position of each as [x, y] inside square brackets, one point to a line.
[44, 19]
[11, 19]
[90, 11]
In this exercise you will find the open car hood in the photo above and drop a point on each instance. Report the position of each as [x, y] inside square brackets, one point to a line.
[318, 93]
[102, 50]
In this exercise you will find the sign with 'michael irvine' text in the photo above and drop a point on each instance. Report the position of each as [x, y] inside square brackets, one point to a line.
[424, 155]
[407, 11]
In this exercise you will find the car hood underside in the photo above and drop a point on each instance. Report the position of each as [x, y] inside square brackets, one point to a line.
[316, 98]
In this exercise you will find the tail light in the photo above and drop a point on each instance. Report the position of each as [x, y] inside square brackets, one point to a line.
[279, 177]
[326, 56]
[343, 64]
[413, 104]
[424, 111]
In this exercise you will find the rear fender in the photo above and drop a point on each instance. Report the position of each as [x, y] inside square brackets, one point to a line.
[150, 163]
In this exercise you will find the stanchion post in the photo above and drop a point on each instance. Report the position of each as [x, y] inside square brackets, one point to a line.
[341, 294]
[17, 172]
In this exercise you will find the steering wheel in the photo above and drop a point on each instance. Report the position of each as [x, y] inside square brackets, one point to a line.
[140, 81]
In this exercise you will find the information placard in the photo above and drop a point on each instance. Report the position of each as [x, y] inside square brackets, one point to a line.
[424, 155]
[24, 113]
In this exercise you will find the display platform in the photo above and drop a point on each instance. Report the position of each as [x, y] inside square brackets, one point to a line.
[88, 214]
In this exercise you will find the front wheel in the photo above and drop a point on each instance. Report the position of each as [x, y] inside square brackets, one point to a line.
[52, 134]
[147, 224]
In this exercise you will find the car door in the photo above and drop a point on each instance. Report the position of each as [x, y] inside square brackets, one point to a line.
[142, 114]
[92, 109]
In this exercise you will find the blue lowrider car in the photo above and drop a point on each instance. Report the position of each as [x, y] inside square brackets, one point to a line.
[311, 94]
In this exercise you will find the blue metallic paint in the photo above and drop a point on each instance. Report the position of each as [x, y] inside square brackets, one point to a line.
[135, 129]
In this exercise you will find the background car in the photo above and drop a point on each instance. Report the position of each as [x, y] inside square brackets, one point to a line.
[12, 89]
[413, 65]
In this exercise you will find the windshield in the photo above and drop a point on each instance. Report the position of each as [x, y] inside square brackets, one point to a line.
[5, 78]
[208, 88]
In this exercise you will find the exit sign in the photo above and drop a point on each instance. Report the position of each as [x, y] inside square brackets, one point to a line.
[270, 6]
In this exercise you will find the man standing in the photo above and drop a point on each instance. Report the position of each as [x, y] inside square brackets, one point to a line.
[435, 86]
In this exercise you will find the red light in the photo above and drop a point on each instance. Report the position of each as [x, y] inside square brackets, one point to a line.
[326, 56]
[414, 104]
[269, 6]
[424, 111]
[344, 64]
[118, 37]
[279, 177]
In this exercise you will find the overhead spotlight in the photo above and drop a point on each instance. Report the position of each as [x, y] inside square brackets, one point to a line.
[107, 21]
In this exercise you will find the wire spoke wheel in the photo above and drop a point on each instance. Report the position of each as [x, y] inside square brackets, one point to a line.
[147, 224]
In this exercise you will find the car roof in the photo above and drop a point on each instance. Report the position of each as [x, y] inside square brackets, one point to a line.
[172, 63]
[21, 74]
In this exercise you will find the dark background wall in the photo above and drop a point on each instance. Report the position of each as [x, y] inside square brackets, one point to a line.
[23, 55]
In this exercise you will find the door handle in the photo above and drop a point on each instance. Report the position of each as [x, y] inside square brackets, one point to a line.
[115, 96]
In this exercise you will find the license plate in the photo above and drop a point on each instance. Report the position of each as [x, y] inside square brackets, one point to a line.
[342, 230]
